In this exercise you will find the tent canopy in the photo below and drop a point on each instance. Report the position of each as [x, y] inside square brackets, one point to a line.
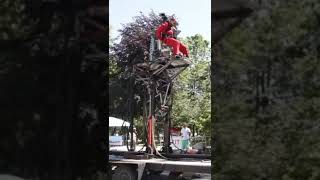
[115, 122]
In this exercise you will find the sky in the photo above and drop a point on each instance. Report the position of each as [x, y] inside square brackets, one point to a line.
[194, 16]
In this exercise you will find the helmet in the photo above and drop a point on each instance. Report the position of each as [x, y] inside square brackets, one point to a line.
[163, 16]
[173, 20]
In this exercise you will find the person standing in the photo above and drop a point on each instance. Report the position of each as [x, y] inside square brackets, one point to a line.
[134, 138]
[185, 133]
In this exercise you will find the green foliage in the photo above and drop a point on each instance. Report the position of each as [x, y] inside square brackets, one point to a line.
[271, 134]
[199, 48]
[192, 91]
[50, 94]
[14, 24]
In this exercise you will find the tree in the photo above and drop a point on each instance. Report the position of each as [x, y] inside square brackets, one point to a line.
[192, 91]
[192, 87]
[52, 92]
[266, 95]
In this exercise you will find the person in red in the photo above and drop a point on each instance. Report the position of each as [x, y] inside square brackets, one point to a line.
[165, 33]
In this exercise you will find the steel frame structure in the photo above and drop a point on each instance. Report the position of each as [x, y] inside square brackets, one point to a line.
[156, 76]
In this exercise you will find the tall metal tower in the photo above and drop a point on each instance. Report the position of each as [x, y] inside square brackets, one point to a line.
[157, 77]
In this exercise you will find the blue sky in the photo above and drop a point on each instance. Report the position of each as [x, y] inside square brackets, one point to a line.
[194, 16]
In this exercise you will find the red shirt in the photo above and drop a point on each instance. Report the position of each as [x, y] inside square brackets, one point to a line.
[164, 28]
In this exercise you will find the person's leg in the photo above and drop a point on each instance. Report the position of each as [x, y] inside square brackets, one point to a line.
[184, 50]
[187, 144]
[181, 144]
[174, 44]
[184, 145]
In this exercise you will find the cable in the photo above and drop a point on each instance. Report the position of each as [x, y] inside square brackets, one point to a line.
[153, 142]
[142, 148]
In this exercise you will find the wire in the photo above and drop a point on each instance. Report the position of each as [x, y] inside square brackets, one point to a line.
[142, 148]
[153, 142]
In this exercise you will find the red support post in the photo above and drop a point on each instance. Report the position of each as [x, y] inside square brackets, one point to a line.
[150, 131]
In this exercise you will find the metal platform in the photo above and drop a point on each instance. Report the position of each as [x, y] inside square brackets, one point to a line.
[195, 166]
[170, 156]
[169, 165]
[164, 70]
[156, 65]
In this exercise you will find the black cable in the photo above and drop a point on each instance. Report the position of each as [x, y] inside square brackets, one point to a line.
[142, 148]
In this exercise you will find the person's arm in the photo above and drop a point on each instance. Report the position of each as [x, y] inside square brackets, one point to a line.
[161, 30]
[176, 32]
[170, 32]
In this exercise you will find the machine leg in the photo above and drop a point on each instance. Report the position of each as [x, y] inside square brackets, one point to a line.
[149, 147]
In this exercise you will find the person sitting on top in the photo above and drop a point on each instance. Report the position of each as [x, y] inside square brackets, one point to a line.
[165, 33]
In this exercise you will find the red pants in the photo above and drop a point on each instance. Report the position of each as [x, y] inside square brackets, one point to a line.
[177, 46]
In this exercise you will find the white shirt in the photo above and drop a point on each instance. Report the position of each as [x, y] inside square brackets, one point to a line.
[185, 133]
[134, 136]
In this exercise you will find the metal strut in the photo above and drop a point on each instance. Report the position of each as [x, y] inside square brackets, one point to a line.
[156, 76]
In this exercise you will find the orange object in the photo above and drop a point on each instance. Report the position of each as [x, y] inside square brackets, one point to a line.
[150, 130]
